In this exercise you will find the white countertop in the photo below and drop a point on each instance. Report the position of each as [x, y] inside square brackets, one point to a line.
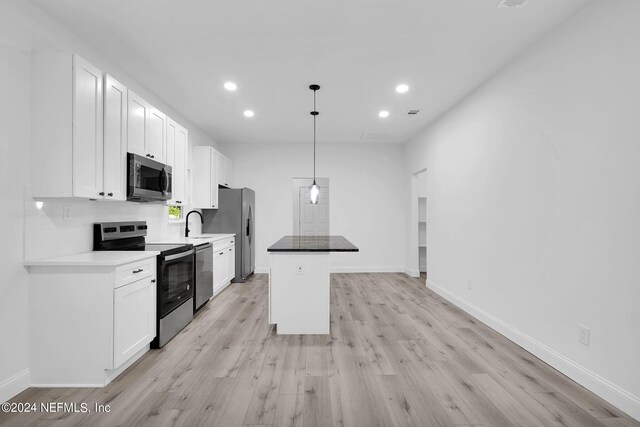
[97, 258]
[196, 239]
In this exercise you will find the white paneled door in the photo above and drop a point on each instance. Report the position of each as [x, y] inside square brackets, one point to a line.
[311, 219]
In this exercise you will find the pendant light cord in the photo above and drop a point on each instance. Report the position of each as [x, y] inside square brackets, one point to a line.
[314, 137]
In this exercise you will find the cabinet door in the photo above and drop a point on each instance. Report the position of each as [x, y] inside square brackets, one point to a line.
[219, 270]
[201, 192]
[214, 181]
[156, 143]
[171, 158]
[134, 317]
[227, 171]
[180, 167]
[219, 167]
[231, 264]
[87, 136]
[137, 117]
[115, 139]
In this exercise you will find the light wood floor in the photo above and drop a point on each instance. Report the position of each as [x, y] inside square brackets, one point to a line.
[398, 355]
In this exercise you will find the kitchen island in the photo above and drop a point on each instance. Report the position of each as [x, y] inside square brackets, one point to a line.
[299, 284]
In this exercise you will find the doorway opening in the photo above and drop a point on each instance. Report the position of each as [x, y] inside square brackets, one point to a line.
[422, 221]
[310, 219]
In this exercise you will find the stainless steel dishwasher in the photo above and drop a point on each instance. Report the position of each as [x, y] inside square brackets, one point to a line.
[203, 275]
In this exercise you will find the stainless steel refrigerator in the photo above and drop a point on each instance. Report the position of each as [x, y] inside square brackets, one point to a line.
[235, 214]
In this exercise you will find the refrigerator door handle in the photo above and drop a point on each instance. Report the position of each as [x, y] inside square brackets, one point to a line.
[249, 228]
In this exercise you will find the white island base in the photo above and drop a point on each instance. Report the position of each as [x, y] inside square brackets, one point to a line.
[299, 288]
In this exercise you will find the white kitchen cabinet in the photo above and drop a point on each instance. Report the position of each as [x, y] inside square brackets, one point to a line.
[220, 270]
[156, 144]
[137, 119]
[134, 317]
[146, 129]
[224, 169]
[204, 178]
[67, 158]
[231, 264]
[224, 263]
[115, 139]
[90, 316]
[177, 155]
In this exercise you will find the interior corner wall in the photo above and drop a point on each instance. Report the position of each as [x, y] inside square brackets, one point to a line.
[14, 174]
[366, 204]
[533, 189]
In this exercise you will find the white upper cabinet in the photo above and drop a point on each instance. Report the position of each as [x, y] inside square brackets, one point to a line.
[224, 169]
[177, 149]
[67, 133]
[204, 182]
[156, 143]
[146, 129]
[137, 116]
[115, 139]
[87, 129]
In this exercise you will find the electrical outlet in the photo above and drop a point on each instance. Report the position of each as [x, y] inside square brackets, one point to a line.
[66, 213]
[469, 284]
[299, 269]
[584, 335]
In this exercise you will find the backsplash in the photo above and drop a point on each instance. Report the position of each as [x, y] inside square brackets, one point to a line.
[49, 234]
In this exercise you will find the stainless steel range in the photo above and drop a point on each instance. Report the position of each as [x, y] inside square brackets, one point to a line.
[175, 273]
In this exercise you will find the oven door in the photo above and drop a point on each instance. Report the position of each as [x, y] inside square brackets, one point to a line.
[148, 180]
[175, 281]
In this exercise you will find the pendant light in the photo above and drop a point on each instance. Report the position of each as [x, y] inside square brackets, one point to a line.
[314, 191]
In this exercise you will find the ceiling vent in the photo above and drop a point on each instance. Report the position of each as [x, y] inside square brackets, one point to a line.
[413, 112]
[511, 3]
[373, 136]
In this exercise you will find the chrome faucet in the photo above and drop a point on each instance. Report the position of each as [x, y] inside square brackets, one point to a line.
[186, 223]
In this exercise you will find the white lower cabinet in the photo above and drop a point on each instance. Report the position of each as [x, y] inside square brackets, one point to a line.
[134, 319]
[89, 322]
[220, 267]
[224, 263]
[231, 259]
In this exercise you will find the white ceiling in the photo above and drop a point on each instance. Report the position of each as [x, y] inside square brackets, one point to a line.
[356, 50]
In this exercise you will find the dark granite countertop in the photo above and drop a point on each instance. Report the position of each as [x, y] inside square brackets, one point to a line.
[313, 244]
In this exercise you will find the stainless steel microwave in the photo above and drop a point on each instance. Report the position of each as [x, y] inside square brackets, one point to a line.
[147, 180]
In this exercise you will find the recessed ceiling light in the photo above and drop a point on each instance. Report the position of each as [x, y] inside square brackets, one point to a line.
[230, 86]
[248, 113]
[402, 88]
[383, 113]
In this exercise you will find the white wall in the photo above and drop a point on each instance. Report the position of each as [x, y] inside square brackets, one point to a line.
[533, 185]
[30, 233]
[366, 203]
[14, 173]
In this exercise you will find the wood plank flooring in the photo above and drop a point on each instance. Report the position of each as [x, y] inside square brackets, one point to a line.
[398, 355]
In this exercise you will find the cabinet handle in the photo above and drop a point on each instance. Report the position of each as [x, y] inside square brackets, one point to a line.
[148, 155]
[110, 194]
[101, 193]
[153, 281]
[221, 253]
[153, 157]
[138, 271]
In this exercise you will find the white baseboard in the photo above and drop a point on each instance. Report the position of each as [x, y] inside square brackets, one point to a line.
[14, 385]
[411, 272]
[336, 269]
[365, 269]
[617, 396]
